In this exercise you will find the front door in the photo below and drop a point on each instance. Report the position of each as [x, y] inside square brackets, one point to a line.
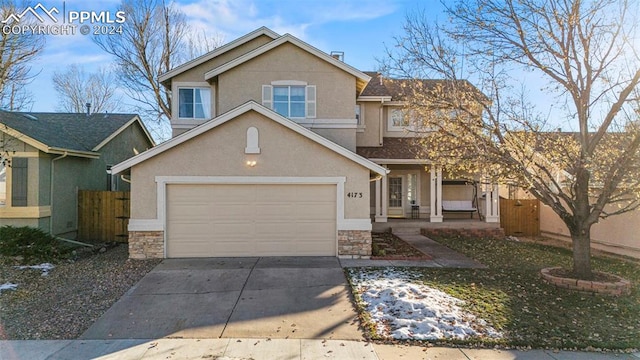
[396, 196]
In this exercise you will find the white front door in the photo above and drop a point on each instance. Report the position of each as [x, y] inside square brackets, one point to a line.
[396, 196]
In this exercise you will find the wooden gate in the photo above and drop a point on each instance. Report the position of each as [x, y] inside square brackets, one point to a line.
[103, 215]
[520, 217]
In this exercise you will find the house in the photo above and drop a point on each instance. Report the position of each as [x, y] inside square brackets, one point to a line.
[280, 149]
[50, 156]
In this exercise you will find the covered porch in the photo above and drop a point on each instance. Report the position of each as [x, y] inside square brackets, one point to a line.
[416, 190]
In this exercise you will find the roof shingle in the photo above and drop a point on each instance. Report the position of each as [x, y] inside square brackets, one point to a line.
[70, 131]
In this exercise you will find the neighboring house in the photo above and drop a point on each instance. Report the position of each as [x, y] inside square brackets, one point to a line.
[278, 149]
[53, 155]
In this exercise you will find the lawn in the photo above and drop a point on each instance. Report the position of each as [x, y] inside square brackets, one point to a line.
[512, 298]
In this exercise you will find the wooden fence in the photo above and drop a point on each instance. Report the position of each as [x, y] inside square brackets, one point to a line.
[520, 217]
[103, 215]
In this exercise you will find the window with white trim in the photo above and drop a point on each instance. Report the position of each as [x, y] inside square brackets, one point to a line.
[359, 121]
[295, 101]
[194, 103]
[398, 120]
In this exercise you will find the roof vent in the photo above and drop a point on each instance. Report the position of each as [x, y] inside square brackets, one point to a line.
[88, 108]
[30, 117]
[338, 55]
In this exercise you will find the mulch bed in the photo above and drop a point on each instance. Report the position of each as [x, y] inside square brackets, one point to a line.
[387, 246]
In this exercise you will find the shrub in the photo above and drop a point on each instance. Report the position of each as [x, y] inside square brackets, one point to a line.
[32, 245]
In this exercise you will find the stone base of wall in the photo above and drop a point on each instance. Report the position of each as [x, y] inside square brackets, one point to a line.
[621, 286]
[354, 244]
[483, 233]
[146, 244]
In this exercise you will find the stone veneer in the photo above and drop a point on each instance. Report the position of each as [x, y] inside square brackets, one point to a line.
[619, 287]
[146, 244]
[355, 244]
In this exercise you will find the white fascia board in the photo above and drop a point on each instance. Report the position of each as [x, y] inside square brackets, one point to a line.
[217, 52]
[401, 161]
[232, 114]
[295, 41]
[374, 98]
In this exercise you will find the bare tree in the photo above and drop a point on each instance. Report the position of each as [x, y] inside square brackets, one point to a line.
[151, 44]
[199, 43]
[585, 52]
[17, 51]
[76, 88]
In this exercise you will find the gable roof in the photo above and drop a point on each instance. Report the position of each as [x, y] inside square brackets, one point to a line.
[363, 78]
[77, 134]
[217, 52]
[232, 114]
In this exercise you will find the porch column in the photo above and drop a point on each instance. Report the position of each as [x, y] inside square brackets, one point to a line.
[436, 194]
[379, 208]
[384, 196]
[492, 203]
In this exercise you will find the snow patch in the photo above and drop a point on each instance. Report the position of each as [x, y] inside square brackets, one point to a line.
[403, 308]
[8, 286]
[44, 267]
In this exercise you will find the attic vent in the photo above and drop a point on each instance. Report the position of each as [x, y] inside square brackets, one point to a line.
[30, 117]
[338, 55]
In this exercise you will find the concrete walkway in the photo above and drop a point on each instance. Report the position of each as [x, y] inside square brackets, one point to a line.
[267, 349]
[442, 256]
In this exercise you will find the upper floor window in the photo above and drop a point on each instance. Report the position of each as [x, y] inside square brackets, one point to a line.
[398, 120]
[194, 103]
[291, 99]
[359, 116]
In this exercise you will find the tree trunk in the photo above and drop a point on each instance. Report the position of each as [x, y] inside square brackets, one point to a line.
[581, 238]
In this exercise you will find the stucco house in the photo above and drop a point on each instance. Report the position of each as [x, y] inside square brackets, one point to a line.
[281, 149]
[50, 156]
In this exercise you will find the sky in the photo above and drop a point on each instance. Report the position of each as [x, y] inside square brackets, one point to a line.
[361, 29]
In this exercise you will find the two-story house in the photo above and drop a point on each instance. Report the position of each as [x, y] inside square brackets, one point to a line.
[279, 149]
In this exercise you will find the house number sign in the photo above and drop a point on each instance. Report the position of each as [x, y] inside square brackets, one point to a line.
[357, 195]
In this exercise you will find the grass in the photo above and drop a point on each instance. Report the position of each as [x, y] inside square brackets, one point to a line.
[513, 298]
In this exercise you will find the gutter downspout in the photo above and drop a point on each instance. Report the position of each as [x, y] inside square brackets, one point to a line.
[51, 193]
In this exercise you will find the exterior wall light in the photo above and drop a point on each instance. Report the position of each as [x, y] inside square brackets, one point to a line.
[251, 163]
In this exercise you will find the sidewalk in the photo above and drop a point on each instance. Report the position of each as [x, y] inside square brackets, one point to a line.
[259, 349]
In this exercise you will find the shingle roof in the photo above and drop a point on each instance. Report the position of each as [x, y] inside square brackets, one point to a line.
[70, 131]
[393, 148]
[398, 89]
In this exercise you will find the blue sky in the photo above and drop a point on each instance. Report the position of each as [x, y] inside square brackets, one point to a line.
[359, 28]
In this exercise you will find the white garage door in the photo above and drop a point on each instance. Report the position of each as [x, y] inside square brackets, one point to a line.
[251, 220]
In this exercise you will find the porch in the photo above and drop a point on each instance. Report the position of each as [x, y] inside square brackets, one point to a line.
[398, 224]
[415, 189]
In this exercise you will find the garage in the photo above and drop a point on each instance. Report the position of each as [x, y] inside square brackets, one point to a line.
[219, 220]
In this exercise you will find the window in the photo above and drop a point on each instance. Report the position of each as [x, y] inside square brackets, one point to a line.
[19, 172]
[359, 116]
[3, 184]
[291, 99]
[194, 103]
[397, 120]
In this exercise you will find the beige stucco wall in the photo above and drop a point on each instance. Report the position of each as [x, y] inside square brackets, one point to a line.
[370, 112]
[343, 137]
[618, 234]
[221, 152]
[336, 89]
[197, 73]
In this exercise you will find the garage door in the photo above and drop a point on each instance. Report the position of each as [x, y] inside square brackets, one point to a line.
[251, 220]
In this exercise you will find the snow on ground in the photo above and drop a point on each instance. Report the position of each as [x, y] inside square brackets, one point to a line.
[44, 267]
[403, 308]
[8, 286]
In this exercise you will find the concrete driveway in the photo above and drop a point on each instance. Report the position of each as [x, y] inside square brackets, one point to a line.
[274, 297]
